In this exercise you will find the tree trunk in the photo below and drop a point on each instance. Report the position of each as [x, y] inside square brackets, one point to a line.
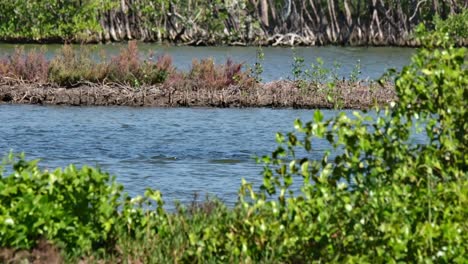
[264, 13]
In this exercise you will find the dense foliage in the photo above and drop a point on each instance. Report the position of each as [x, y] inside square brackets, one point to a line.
[74, 207]
[378, 196]
[201, 22]
[445, 31]
[56, 19]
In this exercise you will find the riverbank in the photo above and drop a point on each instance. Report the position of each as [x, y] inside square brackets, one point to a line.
[75, 77]
[279, 94]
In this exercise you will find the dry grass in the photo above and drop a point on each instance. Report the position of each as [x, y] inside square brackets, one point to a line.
[29, 67]
[206, 74]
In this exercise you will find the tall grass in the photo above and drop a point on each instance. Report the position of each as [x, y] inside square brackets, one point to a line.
[72, 67]
[29, 67]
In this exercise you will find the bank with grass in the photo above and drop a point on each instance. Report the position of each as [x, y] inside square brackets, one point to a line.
[74, 77]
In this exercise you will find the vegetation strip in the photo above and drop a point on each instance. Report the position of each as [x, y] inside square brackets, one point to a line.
[74, 78]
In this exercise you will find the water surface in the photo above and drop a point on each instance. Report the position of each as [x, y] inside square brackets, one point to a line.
[179, 151]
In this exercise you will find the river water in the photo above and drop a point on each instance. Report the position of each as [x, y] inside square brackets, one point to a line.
[179, 151]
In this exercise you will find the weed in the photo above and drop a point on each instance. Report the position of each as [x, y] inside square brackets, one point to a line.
[70, 67]
[297, 67]
[125, 67]
[258, 66]
[30, 67]
[355, 74]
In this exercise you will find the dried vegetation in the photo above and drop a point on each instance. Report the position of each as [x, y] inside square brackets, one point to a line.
[74, 77]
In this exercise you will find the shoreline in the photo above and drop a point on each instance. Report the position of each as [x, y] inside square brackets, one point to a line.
[276, 94]
[409, 43]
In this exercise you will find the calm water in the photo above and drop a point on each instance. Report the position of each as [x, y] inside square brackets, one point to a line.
[277, 64]
[179, 151]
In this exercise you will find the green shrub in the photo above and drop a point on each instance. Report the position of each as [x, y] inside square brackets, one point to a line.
[78, 209]
[454, 29]
[382, 198]
[154, 72]
[49, 20]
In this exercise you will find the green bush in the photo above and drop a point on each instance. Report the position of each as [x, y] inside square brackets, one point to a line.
[74, 207]
[454, 29]
[382, 198]
[49, 20]
[79, 210]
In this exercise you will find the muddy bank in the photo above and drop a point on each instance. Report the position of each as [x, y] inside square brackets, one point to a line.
[281, 94]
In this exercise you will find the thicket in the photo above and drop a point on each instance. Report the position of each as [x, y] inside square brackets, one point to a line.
[238, 22]
[376, 196]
